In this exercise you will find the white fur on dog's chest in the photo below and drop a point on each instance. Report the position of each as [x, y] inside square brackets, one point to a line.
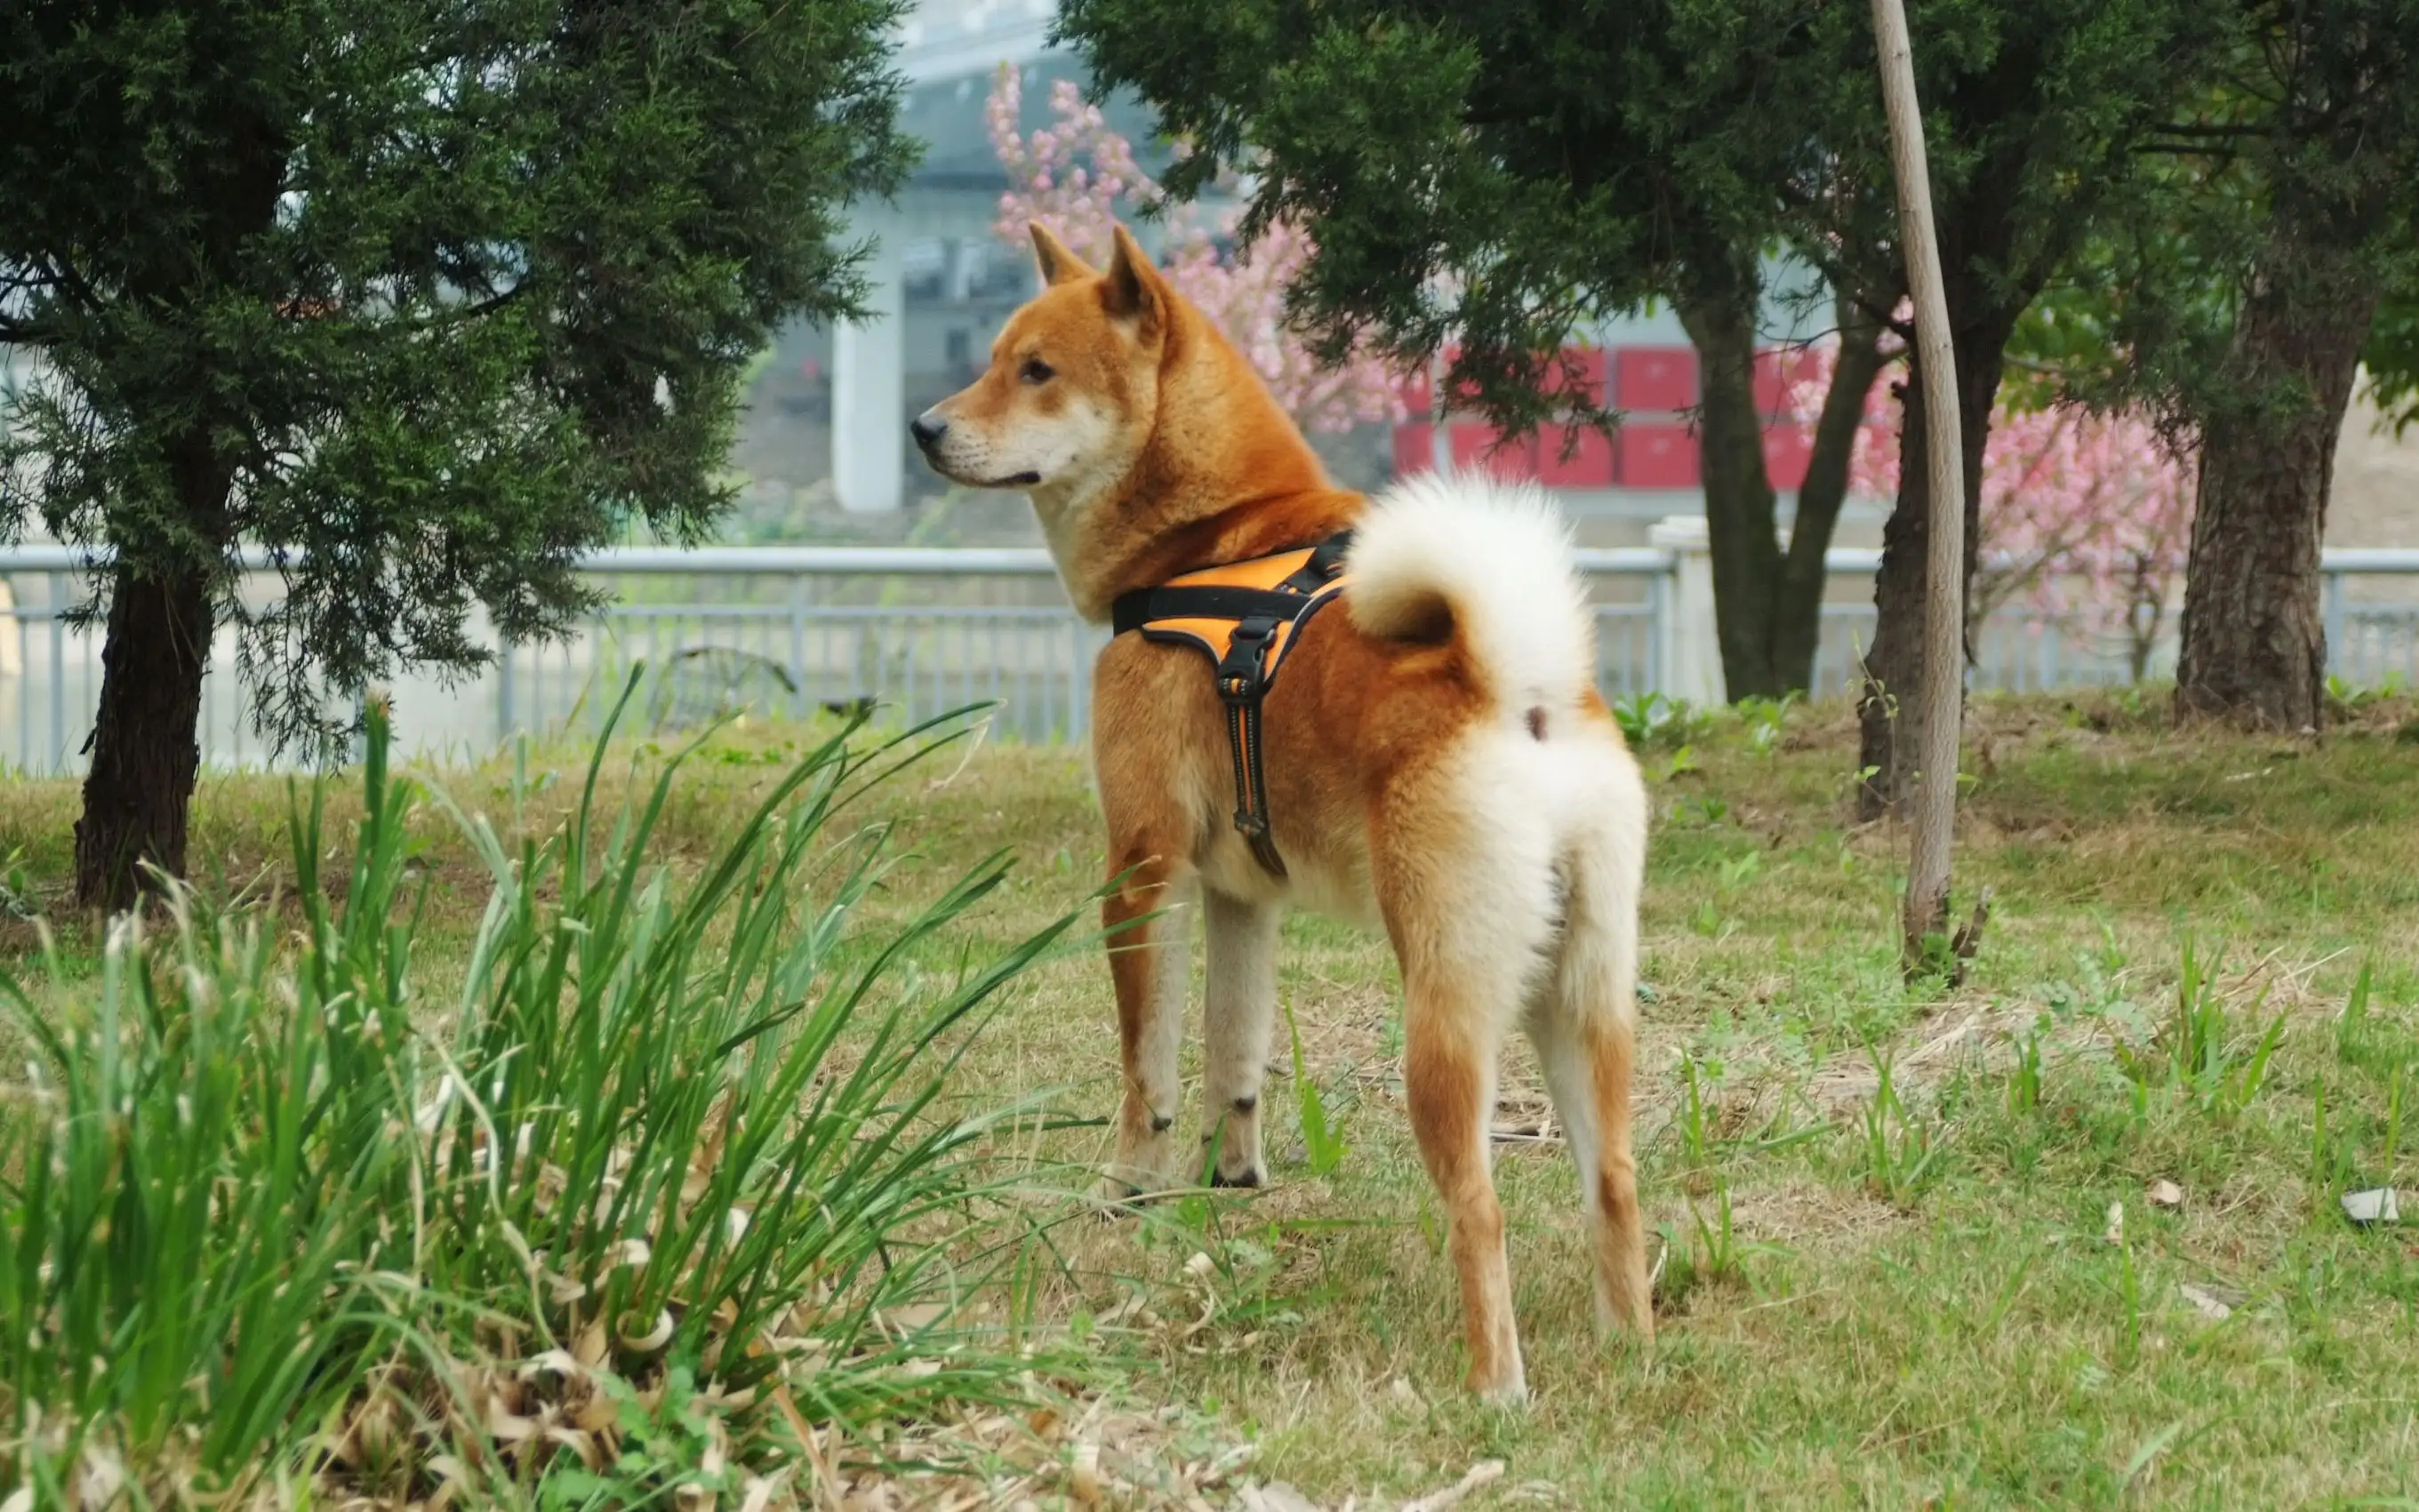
[1339, 892]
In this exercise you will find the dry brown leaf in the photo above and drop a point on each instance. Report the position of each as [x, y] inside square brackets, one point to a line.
[758, 1492]
[652, 1340]
[811, 1444]
[507, 1427]
[913, 1319]
[558, 1362]
[2209, 1304]
[99, 1477]
[595, 1414]
[580, 1443]
[1480, 1474]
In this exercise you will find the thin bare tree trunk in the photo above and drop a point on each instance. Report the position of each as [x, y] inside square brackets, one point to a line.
[1797, 623]
[1891, 709]
[1941, 692]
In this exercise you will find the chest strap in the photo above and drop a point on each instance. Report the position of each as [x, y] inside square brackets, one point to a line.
[1244, 616]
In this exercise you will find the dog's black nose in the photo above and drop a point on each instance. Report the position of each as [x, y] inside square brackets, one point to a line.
[927, 428]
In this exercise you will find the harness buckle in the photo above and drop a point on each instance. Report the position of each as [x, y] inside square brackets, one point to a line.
[1239, 671]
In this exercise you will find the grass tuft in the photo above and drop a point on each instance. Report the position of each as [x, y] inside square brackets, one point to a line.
[663, 1179]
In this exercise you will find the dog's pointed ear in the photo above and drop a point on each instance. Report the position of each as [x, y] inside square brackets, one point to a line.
[1133, 289]
[1059, 265]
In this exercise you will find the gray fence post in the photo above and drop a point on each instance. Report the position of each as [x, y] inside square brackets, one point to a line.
[804, 703]
[1689, 661]
[2335, 618]
[507, 695]
[59, 673]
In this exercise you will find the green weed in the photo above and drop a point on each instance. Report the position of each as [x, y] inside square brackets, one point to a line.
[278, 1193]
[1322, 1136]
[2201, 1057]
[1901, 1151]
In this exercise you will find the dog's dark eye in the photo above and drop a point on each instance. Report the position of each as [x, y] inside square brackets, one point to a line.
[1036, 371]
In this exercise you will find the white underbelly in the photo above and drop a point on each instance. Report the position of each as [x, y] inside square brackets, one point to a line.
[1310, 882]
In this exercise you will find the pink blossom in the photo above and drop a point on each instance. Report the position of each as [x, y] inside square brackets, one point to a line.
[2086, 515]
[1078, 177]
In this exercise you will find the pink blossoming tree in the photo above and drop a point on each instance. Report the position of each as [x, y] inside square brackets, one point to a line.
[2086, 515]
[1077, 177]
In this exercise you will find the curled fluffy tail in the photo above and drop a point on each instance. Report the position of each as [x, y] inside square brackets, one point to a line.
[1487, 564]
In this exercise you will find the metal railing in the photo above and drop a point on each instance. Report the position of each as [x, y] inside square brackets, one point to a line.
[788, 631]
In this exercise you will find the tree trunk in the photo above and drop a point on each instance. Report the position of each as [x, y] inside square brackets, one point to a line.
[145, 739]
[145, 750]
[1768, 604]
[1798, 620]
[2254, 651]
[1891, 723]
[1741, 517]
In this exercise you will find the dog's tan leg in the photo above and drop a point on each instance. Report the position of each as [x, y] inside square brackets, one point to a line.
[1449, 1076]
[1462, 869]
[1586, 1048]
[1584, 1022]
[1150, 962]
[1239, 1010]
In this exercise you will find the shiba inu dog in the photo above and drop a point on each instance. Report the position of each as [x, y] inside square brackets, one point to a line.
[1436, 761]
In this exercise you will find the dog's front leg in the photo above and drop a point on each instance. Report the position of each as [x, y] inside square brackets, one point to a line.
[1150, 919]
[1239, 1013]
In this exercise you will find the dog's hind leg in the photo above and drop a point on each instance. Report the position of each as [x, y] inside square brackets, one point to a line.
[1449, 1074]
[1150, 919]
[1583, 1018]
[1239, 1012]
[1463, 879]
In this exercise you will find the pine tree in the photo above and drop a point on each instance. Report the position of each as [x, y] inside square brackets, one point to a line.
[422, 296]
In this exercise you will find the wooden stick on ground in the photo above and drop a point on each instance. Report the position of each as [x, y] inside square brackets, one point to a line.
[1943, 590]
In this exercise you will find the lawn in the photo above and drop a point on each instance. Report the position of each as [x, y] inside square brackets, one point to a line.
[1895, 1271]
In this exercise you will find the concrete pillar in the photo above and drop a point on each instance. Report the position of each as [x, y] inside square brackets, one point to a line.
[965, 256]
[12, 634]
[1692, 651]
[870, 390]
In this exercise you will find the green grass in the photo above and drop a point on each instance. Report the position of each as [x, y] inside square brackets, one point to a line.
[667, 1164]
[1891, 1276]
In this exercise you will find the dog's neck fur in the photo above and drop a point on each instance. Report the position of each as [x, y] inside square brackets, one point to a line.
[1221, 475]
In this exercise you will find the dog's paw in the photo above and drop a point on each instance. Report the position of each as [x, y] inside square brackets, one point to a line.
[1121, 1194]
[1511, 1398]
[1249, 1177]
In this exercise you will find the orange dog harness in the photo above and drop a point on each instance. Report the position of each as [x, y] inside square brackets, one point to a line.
[1244, 617]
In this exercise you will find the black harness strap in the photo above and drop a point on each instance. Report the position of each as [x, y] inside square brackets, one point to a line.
[1243, 682]
[1246, 671]
[1325, 562]
[1140, 609]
